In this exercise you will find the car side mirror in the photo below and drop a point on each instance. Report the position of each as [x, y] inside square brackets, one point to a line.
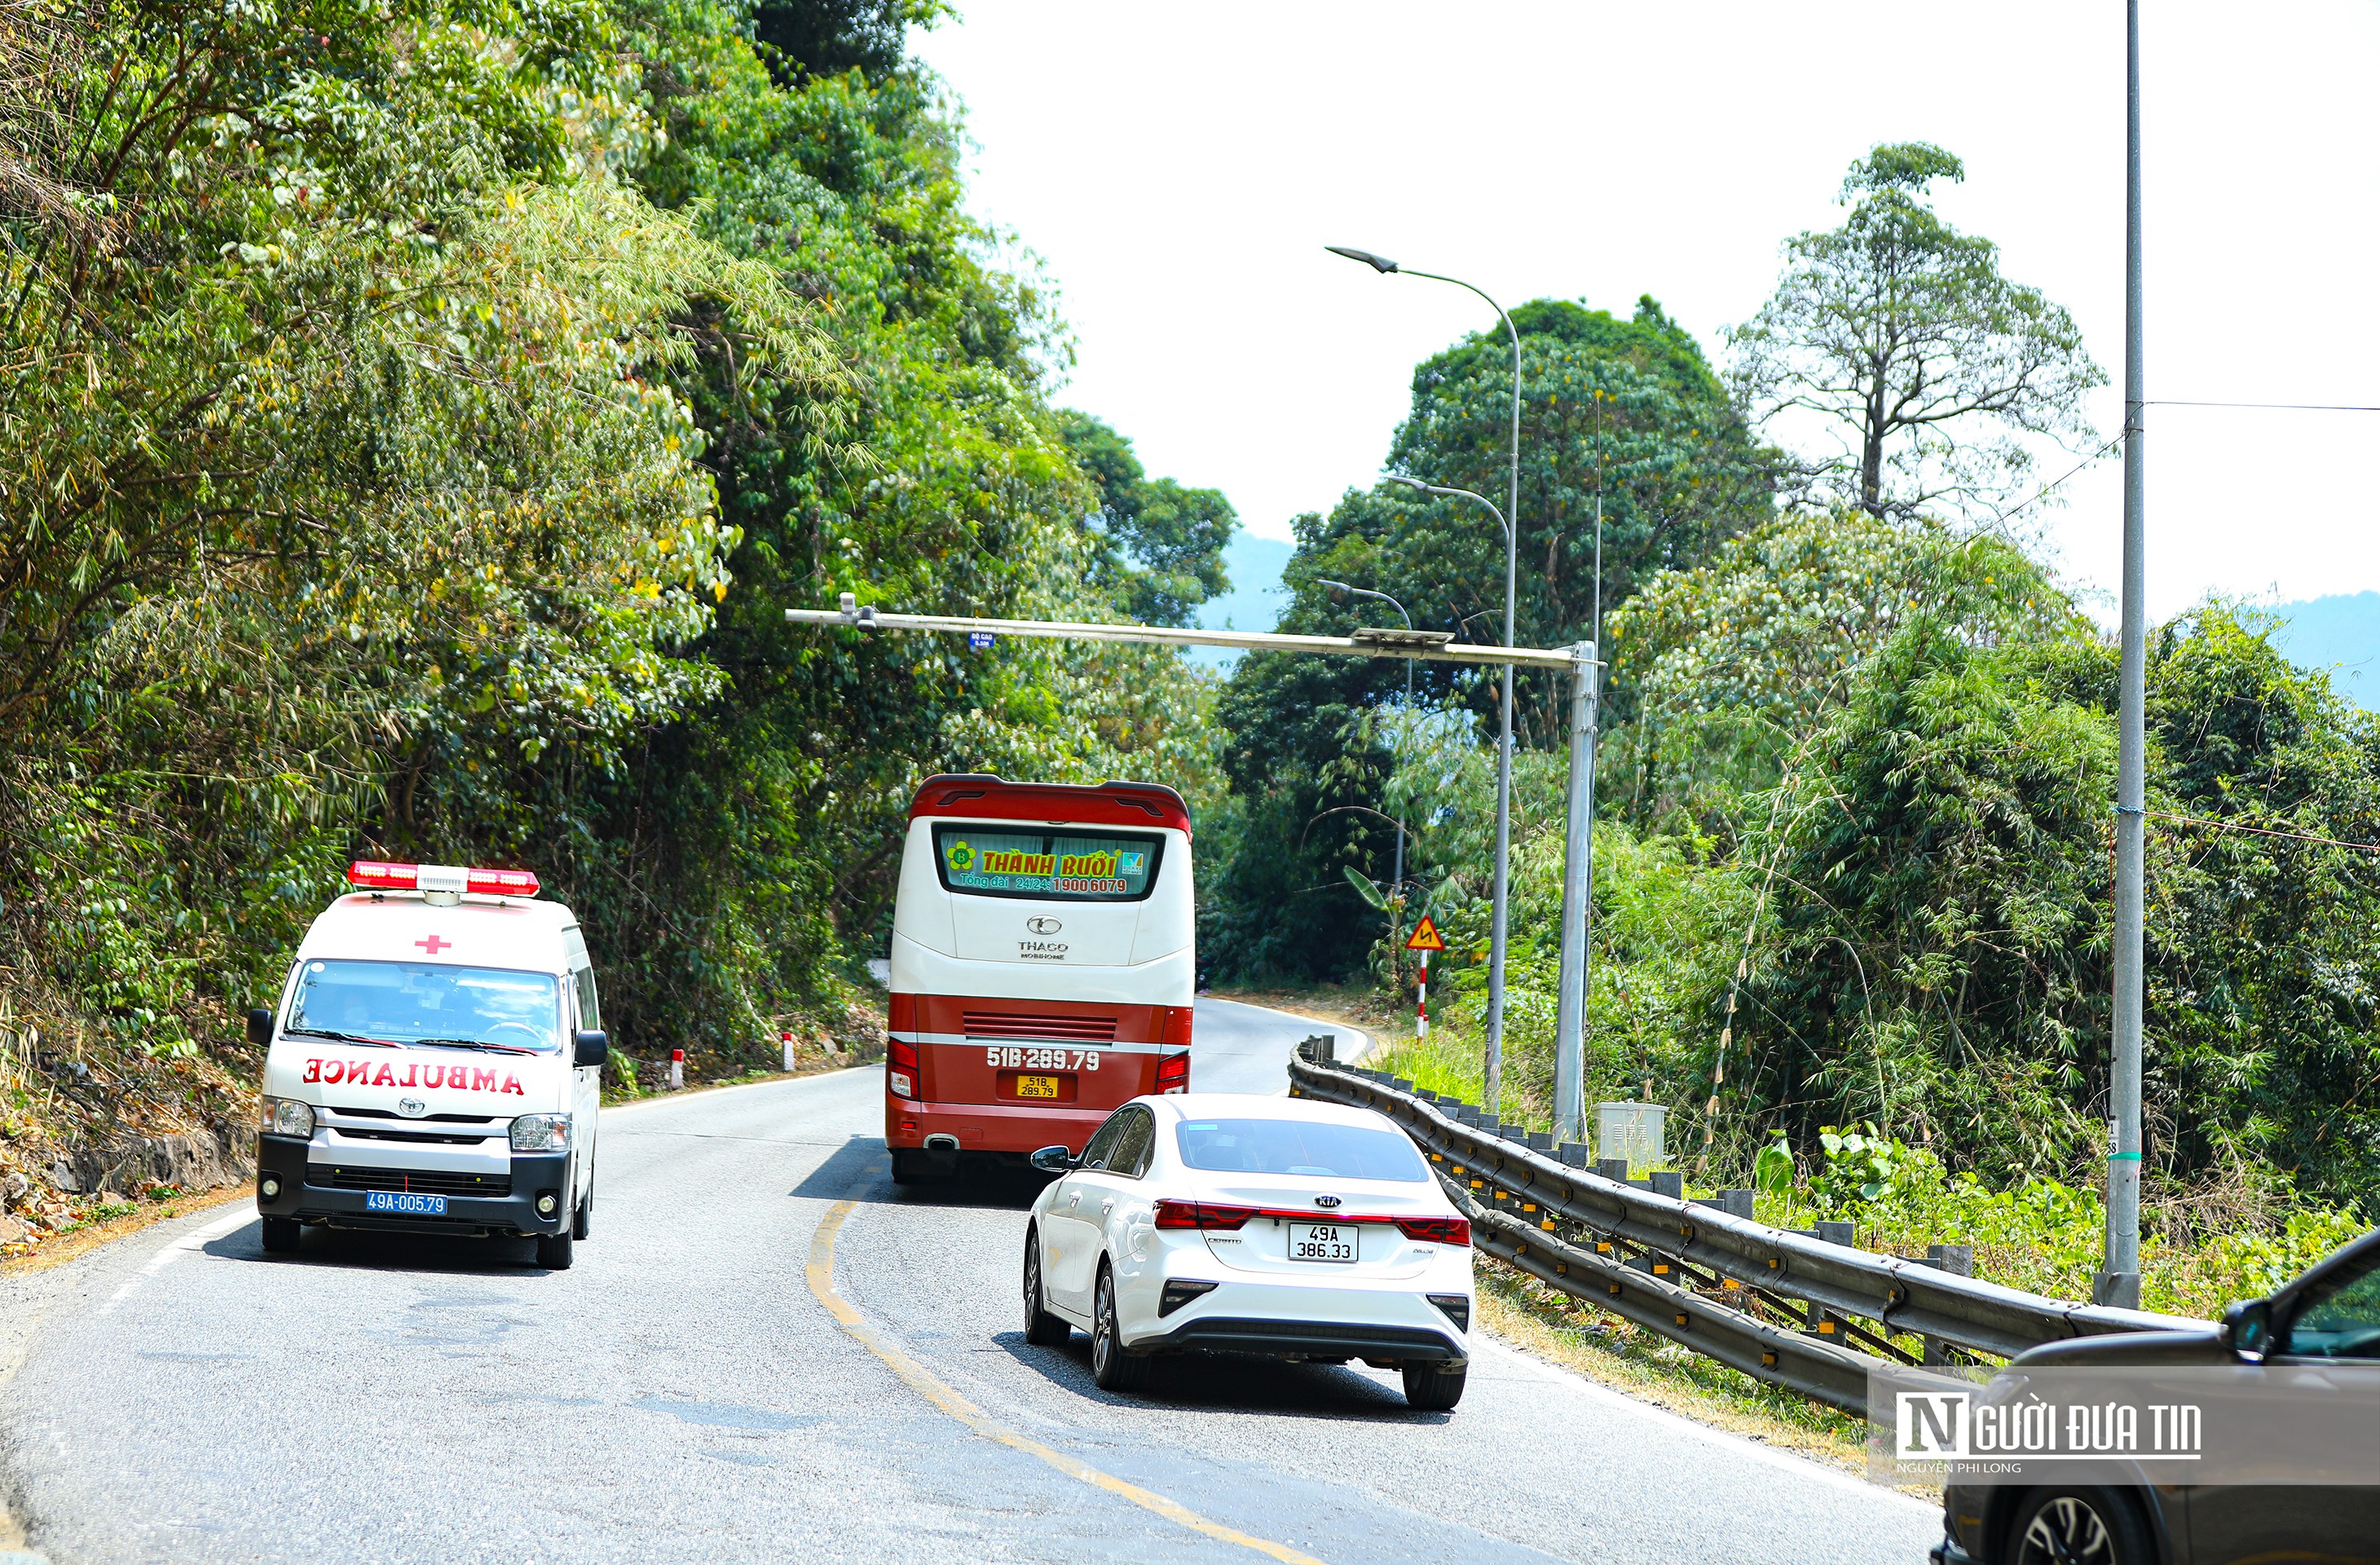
[2248, 1328]
[590, 1048]
[259, 1027]
[1052, 1160]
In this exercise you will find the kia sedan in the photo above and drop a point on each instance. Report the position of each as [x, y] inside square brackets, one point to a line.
[1216, 1221]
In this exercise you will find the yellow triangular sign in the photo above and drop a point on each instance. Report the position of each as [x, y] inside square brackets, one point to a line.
[1425, 936]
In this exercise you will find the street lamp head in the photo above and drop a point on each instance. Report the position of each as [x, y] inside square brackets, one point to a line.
[1377, 262]
[1408, 483]
[1333, 585]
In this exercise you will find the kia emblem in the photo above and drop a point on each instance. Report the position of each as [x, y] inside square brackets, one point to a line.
[412, 1107]
[1043, 926]
[1326, 1200]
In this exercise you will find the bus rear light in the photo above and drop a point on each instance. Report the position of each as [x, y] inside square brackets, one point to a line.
[1175, 1028]
[901, 1069]
[1173, 1072]
[1437, 1230]
[1201, 1214]
[373, 875]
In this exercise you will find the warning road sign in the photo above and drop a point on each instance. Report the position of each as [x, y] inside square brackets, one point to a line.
[1425, 936]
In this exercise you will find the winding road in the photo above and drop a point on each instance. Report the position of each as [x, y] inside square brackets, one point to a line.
[768, 1352]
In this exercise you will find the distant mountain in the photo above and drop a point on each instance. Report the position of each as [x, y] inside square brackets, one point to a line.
[1256, 597]
[2339, 633]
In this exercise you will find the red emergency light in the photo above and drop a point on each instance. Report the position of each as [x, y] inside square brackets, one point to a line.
[372, 875]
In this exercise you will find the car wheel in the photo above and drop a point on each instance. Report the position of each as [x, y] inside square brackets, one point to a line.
[281, 1235]
[1041, 1328]
[554, 1251]
[1112, 1366]
[1435, 1388]
[2077, 1526]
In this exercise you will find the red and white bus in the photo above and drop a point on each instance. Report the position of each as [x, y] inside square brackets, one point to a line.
[1043, 964]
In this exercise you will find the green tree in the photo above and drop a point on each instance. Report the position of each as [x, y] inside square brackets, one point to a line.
[1900, 338]
[1163, 543]
[1623, 411]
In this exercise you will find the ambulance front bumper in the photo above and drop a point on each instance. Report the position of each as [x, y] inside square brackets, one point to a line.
[306, 1191]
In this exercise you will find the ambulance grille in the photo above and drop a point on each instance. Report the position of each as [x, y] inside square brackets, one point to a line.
[1000, 1024]
[360, 1133]
[421, 1181]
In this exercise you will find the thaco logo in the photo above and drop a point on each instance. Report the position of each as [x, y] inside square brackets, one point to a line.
[1043, 926]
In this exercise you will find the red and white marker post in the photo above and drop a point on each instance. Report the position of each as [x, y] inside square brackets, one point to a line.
[677, 1069]
[1425, 939]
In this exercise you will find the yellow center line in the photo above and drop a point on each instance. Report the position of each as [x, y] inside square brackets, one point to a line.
[927, 1384]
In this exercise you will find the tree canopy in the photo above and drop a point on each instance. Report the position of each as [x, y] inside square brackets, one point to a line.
[1920, 365]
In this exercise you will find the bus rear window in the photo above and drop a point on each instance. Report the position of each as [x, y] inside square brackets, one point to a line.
[1003, 861]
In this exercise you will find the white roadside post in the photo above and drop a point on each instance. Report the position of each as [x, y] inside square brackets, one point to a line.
[1432, 646]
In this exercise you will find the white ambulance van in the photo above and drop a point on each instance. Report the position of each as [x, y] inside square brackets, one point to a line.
[434, 1064]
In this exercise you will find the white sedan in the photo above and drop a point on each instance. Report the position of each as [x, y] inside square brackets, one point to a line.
[1267, 1225]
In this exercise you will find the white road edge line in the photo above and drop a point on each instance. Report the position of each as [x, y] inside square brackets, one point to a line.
[1800, 1466]
[196, 1239]
[631, 1107]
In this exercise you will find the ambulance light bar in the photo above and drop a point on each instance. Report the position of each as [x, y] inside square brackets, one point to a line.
[373, 876]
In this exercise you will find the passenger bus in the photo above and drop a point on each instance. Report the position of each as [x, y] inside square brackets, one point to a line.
[1042, 965]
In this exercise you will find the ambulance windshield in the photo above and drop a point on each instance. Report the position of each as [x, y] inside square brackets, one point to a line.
[424, 1003]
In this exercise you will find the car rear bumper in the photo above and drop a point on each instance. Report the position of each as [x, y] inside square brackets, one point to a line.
[286, 1160]
[1312, 1338]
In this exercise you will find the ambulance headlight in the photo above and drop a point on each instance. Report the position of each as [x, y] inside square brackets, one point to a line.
[542, 1132]
[286, 1116]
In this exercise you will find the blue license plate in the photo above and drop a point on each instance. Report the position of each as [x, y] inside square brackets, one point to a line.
[405, 1202]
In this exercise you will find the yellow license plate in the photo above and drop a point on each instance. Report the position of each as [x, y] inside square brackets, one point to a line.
[1037, 1087]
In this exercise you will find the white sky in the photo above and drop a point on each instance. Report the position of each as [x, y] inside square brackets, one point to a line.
[1178, 169]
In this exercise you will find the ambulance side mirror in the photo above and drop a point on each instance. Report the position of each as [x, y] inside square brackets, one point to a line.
[590, 1048]
[259, 1027]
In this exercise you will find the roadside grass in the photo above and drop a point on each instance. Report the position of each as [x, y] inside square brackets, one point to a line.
[107, 1223]
[1525, 1313]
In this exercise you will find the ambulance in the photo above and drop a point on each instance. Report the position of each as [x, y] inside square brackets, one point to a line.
[433, 1064]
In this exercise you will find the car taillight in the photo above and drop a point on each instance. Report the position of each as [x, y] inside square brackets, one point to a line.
[1173, 1072]
[1437, 1230]
[901, 1069]
[1200, 1214]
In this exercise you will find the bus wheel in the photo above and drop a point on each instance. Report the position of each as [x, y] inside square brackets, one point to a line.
[1041, 1328]
[908, 1166]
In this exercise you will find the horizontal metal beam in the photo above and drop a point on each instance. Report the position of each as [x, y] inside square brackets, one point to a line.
[1904, 1296]
[1380, 644]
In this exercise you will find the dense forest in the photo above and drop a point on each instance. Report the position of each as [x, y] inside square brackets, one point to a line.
[420, 412]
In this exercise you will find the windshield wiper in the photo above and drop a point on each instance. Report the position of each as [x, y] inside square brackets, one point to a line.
[472, 1043]
[339, 1037]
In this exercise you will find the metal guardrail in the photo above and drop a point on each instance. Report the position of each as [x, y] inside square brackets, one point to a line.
[1630, 1232]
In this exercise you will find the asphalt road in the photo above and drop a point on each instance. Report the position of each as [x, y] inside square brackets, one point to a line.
[696, 1389]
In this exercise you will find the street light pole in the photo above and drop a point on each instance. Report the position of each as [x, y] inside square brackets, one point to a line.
[1493, 1072]
[1396, 879]
[2118, 1282]
[1497, 923]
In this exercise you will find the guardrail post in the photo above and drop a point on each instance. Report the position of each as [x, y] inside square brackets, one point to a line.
[1572, 1154]
[1668, 1183]
[1613, 1169]
[1958, 1260]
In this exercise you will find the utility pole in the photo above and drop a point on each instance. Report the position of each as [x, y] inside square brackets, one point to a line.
[1578, 883]
[2118, 1282]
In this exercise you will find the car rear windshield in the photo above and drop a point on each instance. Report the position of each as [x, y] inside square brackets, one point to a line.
[408, 1002]
[1048, 865]
[1299, 1146]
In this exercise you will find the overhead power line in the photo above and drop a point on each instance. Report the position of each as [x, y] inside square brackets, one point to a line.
[2272, 406]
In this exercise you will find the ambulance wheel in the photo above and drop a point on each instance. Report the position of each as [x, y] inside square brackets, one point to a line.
[281, 1236]
[554, 1251]
[582, 1221]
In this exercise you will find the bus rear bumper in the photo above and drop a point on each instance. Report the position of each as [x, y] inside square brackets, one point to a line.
[989, 1127]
